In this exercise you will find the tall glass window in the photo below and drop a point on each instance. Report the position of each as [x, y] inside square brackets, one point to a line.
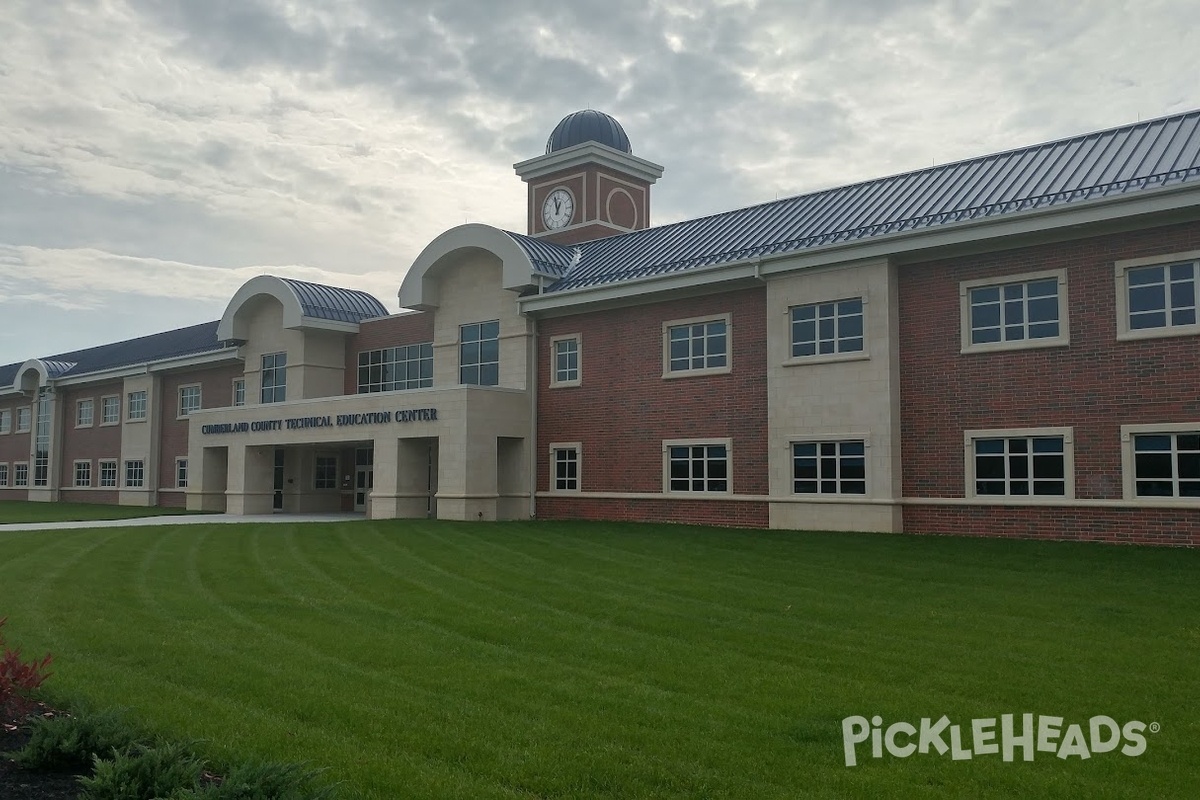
[274, 377]
[41, 446]
[393, 368]
[479, 354]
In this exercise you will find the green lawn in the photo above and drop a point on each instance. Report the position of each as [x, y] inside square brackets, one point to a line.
[21, 511]
[562, 660]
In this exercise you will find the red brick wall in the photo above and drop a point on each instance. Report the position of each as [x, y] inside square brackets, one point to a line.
[624, 409]
[216, 391]
[92, 443]
[394, 331]
[1095, 385]
[15, 446]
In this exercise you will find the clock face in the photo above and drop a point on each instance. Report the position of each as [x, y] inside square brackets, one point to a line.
[557, 209]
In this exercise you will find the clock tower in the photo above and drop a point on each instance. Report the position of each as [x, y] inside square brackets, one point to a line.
[589, 184]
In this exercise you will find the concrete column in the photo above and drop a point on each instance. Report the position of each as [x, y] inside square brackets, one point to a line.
[207, 479]
[467, 488]
[251, 480]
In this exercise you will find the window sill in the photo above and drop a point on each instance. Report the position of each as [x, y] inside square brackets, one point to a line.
[1021, 500]
[108, 424]
[696, 373]
[135, 421]
[1165, 332]
[1003, 347]
[565, 384]
[83, 427]
[828, 358]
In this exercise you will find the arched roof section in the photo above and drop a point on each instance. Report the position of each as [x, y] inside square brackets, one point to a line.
[305, 305]
[36, 373]
[521, 267]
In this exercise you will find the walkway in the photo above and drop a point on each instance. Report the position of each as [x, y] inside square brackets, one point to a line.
[178, 519]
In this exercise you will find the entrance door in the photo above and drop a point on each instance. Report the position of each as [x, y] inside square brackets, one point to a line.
[364, 476]
[277, 501]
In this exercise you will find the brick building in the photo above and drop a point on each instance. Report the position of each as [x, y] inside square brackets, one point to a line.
[1002, 346]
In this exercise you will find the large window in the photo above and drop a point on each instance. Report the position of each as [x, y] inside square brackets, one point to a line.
[1158, 299]
[479, 354]
[21, 474]
[1021, 311]
[828, 329]
[110, 410]
[239, 392]
[564, 355]
[837, 467]
[325, 474]
[41, 442]
[181, 473]
[1024, 463]
[135, 474]
[83, 473]
[5, 421]
[1167, 464]
[24, 415]
[394, 368]
[274, 378]
[136, 405]
[85, 412]
[564, 463]
[697, 346]
[108, 473]
[189, 400]
[697, 466]
[3, 474]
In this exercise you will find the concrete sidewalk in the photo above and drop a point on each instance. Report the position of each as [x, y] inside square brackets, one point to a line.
[178, 519]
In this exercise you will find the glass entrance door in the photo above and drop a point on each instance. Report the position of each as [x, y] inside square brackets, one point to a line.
[277, 500]
[364, 476]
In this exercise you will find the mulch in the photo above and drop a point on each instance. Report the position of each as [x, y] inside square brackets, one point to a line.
[22, 784]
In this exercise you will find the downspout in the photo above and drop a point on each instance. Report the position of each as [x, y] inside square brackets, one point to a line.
[533, 401]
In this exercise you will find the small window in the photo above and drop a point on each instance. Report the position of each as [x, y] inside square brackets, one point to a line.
[479, 354]
[828, 329]
[24, 419]
[701, 467]
[838, 467]
[110, 410]
[1167, 464]
[21, 474]
[3, 474]
[136, 405]
[108, 473]
[135, 474]
[274, 378]
[181, 473]
[239, 392]
[189, 400]
[393, 369]
[83, 473]
[5, 421]
[1035, 463]
[697, 346]
[85, 411]
[564, 462]
[1017, 311]
[564, 354]
[325, 474]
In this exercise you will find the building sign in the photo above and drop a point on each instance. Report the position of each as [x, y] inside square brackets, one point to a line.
[328, 421]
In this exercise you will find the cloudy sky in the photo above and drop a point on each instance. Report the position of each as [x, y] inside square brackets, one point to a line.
[155, 154]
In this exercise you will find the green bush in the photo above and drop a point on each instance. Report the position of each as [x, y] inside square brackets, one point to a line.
[265, 781]
[166, 770]
[74, 742]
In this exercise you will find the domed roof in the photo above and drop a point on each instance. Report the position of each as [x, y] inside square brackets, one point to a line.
[588, 126]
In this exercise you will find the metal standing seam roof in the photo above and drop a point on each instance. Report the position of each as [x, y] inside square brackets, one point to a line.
[1119, 161]
[332, 303]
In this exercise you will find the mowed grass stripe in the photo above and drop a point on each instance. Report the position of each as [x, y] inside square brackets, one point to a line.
[538, 660]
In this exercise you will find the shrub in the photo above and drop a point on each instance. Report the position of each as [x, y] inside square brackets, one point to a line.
[18, 678]
[165, 770]
[73, 742]
[266, 781]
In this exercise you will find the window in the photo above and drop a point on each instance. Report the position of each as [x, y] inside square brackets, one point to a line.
[239, 392]
[325, 474]
[84, 412]
[83, 473]
[564, 355]
[827, 329]
[24, 416]
[697, 466]
[274, 378]
[110, 410]
[181, 473]
[3, 474]
[189, 400]
[696, 346]
[1020, 463]
[1158, 296]
[41, 441]
[564, 462]
[136, 405]
[135, 474]
[1023, 311]
[838, 467]
[108, 473]
[5, 421]
[1162, 461]
[395, 368]
[21, 474]
[479, 354]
